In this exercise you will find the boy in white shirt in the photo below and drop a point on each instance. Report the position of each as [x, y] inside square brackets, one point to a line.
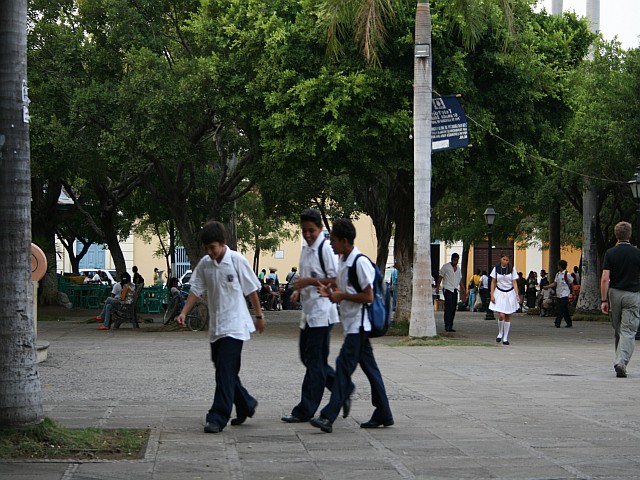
[356, 349]
[226, 278]
[319, 314]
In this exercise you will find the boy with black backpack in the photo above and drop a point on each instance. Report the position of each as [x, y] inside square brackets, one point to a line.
[356, 349]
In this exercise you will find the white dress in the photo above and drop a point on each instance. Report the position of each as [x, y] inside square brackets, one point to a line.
[507, 301]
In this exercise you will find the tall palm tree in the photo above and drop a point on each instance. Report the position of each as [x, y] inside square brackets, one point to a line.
[20, 394]
[367, 19]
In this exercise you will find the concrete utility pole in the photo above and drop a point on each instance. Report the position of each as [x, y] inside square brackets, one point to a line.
[556, 7]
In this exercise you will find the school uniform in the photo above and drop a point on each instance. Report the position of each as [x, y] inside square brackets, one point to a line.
[318, 316]
[563, 290]
[506, 298]
[356, 349]
[226, 285]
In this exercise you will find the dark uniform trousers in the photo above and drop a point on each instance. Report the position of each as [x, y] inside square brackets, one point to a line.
[225, 354]
[356, 350]
[314, 351]
[450, 305]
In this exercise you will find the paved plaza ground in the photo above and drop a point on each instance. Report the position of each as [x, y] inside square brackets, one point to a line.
[549, 406]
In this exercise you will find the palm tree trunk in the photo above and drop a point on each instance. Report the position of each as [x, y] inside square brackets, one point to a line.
[20, 393]
[423, 323]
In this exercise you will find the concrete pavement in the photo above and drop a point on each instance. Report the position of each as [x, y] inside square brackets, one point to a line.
[547, 406]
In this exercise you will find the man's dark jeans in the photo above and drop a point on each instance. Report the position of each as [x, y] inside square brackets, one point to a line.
[450, 305]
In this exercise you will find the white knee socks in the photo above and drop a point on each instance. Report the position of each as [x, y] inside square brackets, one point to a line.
[500, 328]
[505, 336]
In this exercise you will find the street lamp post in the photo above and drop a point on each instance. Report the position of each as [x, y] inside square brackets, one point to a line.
[634, 183]
[489, 218]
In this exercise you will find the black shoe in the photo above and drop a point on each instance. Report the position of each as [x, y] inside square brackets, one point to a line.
[569, 326]
[292, 419]
[498, 339]
[506, 342]
[621, 372]
[211, 428]
[449, 330]
[346, 407]
[322, 423]
[375, 424]
[557, 325]
[240, 419]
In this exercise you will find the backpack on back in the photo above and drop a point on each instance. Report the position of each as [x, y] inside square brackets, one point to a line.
[380, 310]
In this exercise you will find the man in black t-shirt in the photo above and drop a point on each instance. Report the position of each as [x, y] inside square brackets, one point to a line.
[620, 294]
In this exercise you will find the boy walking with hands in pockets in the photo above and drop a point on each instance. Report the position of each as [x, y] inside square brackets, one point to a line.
[226, 278]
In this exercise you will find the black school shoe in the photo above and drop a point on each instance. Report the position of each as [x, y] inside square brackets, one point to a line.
[211, 428]
[375, 423]
[322, 423]
[240, 419]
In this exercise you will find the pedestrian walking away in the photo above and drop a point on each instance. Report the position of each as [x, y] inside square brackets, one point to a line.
[451, 278]
[226, 278]
[356, 348]
[504, 296]
[562, 285]
[317, 267]
[620, 295]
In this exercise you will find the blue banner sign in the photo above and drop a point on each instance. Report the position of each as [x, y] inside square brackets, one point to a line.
[449, 126]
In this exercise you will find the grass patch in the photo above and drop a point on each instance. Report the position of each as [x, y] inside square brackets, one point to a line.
[398, 329]
[49, 440]
[590, 317]
[438, 341]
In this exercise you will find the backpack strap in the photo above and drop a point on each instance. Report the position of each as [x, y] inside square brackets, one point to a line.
[321, 257]
[353, 274]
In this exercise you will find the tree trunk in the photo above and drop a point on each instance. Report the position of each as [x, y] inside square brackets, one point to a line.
[589, 299]
[423, 323]
[20, 392]
[113, 242]
[554, 238]
[403, 248]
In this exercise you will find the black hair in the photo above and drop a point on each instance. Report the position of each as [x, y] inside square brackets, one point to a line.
[213, 232]
[343, 228]
[135, 269]
[455, 255]
[125, 278]
[562, 264]
[172, 281]
[311, 215]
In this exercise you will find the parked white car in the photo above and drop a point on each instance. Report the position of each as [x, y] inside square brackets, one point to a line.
[111, 274]
[186, 276]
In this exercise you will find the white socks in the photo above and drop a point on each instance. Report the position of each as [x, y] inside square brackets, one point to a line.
[500, 328]
[505, 336]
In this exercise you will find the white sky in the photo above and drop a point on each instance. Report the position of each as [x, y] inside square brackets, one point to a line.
[617, 17]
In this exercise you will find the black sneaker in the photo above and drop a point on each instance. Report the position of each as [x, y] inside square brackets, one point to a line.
[621, 372]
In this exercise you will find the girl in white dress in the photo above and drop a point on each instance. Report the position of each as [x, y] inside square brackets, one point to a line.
[504, 296]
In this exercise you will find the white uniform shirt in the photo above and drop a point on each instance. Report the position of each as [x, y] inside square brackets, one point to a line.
[116, 290]
[317, 311]
[562, 288]
[351, 312]
[484, 281]
[504, 280]
[226, 284]
[450, 278]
